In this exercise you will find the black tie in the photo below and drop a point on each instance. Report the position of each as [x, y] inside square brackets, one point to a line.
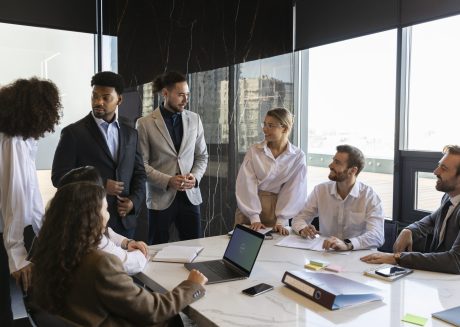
[445, 208]
[442, 232]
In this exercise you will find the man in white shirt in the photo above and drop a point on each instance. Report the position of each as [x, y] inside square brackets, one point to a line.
[350, 212]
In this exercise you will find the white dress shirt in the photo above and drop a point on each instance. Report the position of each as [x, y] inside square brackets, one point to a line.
[286, 176]
[20, 201]
[359, 217]
[133, 261]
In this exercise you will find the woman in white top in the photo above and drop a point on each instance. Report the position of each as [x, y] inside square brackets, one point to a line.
[29, 108]
[133, 254]
[271, 185]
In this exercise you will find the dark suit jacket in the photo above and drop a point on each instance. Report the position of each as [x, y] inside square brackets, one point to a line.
[82, 144]
[443, 257]
[102, 294]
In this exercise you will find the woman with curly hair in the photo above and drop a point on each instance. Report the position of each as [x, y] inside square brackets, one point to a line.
[28, 109]
[76, 281]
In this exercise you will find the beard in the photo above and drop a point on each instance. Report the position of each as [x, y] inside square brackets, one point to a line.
[444, 186]
[98, 112]
[337, 177]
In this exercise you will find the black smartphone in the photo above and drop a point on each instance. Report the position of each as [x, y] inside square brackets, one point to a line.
[257, 289]
[391, 271]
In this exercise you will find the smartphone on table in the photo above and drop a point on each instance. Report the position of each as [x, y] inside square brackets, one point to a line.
[257, 289]
[392, 271]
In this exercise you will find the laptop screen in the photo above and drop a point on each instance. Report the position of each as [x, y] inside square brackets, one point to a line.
[243, 247]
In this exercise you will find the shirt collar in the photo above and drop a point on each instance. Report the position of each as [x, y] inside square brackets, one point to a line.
[100, 121]
[455, 200]
[289, 149]
[354, 190]
[166, 113]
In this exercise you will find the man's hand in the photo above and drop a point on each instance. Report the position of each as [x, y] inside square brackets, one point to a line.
[177, 182]
[280, 229]
[309, 232]
[335, 244]
[23, 277]
[404, 241]
[113, 187]
[190, 181]
[138, 245]
[124, 206]
[379, 257]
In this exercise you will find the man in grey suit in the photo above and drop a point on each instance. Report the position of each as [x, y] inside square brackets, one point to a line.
[175, 158]
[443, 223]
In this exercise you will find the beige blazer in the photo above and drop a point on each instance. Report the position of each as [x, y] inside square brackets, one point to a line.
[104, 295]
[162, 161]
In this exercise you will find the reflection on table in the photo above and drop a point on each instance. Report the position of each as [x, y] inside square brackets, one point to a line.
[420, 293]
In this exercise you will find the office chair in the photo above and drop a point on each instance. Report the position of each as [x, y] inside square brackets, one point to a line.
[40, 318]
[391, 232]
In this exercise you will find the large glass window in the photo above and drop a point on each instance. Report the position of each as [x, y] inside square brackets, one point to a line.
[434, 79]
[66, 58]
[351, 100]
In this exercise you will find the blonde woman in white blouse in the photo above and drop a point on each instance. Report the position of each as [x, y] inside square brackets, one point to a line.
[271, 183]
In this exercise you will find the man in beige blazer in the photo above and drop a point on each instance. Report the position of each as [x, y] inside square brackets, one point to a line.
[175, 158]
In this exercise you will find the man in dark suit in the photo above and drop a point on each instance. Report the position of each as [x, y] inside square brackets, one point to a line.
[102, 140]
[443, 223]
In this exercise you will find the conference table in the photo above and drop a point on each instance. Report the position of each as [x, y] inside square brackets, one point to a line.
[420, 293]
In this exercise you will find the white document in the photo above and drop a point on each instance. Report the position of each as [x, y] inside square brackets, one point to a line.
[299, 242]
[177, 253]
[261, 231]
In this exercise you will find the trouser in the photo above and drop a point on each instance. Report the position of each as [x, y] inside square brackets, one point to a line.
[185, 215]
[6, 314]
[267, 215]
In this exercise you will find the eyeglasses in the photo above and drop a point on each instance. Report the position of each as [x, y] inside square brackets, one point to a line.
[270, 126]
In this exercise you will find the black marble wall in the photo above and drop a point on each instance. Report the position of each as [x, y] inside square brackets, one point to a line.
[197, 35]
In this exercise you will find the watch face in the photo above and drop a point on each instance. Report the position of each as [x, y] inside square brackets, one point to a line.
[347, 241]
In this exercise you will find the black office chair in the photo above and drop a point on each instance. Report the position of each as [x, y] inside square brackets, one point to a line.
[40, 318]
[391, 232]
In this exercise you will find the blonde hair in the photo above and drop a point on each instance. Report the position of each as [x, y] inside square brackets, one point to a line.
[283, 115]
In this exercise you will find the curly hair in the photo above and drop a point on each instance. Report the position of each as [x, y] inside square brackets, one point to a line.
[110, 79]
[29, 108]
[72, 228]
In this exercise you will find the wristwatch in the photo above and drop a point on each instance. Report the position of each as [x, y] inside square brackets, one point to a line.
[348, 244]
[125, 247]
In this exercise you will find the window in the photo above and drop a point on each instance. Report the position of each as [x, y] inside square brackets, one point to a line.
[351, 100]
[66, 58]
[434, 78]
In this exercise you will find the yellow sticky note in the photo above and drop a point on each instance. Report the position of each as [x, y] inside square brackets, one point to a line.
[413, 319]
[312, 267]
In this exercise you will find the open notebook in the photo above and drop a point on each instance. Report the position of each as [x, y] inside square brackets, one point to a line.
[177, 253]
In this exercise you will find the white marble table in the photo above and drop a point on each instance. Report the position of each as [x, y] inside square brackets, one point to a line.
[420, 293]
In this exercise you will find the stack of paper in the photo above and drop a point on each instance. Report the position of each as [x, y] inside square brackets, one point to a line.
[177, 253]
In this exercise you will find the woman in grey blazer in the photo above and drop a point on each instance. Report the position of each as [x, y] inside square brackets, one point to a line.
[85, 286]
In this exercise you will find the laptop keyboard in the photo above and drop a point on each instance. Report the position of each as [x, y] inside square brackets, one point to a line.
[220, 269]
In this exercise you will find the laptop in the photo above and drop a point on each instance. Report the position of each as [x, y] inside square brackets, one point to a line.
[238, 260]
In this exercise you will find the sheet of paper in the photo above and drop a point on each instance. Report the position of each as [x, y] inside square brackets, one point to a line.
[315, 244]
[262, 230]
